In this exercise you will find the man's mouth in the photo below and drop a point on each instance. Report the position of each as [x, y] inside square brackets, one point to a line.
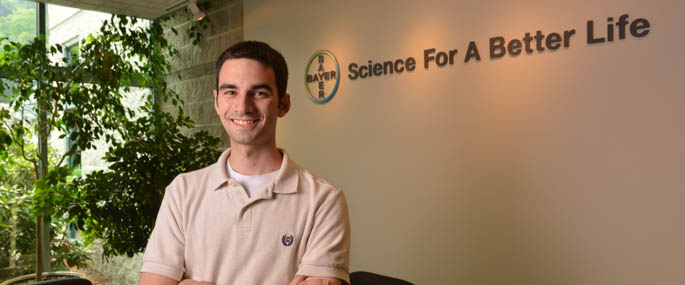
[244, 122]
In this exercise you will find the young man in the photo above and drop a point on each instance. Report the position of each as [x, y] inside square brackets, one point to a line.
[255, 216]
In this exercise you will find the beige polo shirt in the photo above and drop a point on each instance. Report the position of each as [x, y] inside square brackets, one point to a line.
[208, 229]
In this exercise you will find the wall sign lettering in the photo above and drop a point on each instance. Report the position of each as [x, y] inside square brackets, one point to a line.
[531, 43]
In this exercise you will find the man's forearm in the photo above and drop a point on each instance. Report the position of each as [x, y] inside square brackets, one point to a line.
[307, 280]
[147, 278]
[324, 281]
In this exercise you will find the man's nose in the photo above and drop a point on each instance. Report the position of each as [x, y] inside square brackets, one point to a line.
[243, 104]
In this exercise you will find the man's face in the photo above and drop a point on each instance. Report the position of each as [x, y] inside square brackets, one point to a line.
[247, 102]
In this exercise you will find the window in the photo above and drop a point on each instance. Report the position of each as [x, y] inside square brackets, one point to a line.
[17, 236]
[18, 20]
[71, 51]
[71, 55]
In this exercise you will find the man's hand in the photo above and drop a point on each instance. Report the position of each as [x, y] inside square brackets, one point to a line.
[306, 280]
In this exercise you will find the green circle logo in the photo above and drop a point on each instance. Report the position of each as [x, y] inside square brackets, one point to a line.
[321, 76]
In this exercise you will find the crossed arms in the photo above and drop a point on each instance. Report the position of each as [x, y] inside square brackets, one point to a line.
[147, 278]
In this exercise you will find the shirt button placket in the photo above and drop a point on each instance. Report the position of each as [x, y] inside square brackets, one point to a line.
[239, 196]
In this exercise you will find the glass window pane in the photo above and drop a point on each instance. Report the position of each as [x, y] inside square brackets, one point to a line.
[18, 20]
[17, 235]
[18, 24]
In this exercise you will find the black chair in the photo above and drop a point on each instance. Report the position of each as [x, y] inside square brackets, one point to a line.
[65, 281]
[368, 278]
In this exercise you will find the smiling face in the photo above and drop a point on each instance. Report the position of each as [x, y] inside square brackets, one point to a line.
[247, 102]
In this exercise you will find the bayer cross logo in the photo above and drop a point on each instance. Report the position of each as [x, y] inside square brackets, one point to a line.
[287, 240]
[322, 76]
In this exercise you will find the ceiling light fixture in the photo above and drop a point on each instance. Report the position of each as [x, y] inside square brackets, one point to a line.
[197, 14]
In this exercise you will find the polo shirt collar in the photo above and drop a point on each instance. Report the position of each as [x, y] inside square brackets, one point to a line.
[285, 182]
[218, 173]
[286, 178]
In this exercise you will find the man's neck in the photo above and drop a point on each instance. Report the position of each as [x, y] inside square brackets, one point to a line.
[254, 160]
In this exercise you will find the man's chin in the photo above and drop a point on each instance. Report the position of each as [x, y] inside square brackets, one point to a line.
[243, 140]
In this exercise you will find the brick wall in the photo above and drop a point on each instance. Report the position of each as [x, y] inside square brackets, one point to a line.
[196, 63]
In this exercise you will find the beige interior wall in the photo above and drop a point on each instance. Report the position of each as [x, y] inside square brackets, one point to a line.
[559, 167]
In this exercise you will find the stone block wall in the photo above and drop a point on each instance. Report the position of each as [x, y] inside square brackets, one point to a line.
[196, 63]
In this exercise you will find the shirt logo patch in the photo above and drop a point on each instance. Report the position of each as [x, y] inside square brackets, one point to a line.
[287, 240]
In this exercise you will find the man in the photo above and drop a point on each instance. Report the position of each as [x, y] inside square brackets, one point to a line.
[255, 216]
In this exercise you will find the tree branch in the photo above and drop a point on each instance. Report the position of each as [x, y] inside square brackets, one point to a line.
[53, 117]
[19, 139]
[71, 151]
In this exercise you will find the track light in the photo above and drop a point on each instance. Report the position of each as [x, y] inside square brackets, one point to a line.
[197, 14]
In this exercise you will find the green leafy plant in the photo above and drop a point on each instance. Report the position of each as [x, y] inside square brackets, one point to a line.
[84, 100]
[119, 206]
[17, 224]
[5, 137]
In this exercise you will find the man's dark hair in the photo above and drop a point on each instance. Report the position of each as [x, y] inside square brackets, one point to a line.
[262, 53]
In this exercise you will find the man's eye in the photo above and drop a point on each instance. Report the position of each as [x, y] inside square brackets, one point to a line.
[230, 92]
[260, 94]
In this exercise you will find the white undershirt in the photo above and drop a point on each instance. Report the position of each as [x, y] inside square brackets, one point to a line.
[252, 183]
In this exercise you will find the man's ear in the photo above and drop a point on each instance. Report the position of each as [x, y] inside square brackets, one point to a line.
[216, 102]
[284, 105]
[216, 98]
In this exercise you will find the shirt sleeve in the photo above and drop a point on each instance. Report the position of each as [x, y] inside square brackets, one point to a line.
[164, 254]
[328, 248]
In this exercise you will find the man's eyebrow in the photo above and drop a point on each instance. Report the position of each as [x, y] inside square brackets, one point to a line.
[227, 86]
[261, 86]
[254, 87]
